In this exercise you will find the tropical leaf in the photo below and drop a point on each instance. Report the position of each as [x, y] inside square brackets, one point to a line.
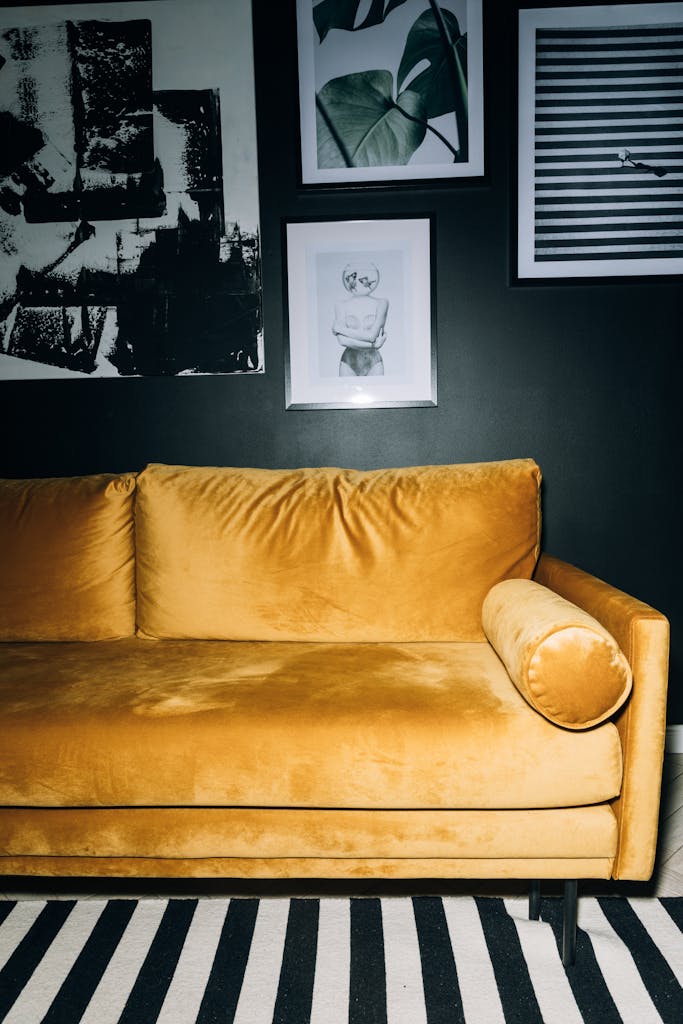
[342, 14]
[360, 125]
[444, 82]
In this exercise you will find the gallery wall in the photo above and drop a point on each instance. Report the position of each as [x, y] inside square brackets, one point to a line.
[581, 376]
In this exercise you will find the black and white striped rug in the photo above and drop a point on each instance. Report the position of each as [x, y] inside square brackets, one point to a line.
[393, 960]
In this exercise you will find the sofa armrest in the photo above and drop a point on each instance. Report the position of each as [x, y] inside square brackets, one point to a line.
[643, 635]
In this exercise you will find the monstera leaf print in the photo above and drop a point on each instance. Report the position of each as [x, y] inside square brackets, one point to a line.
[343, 13]
[360, 125]
[444, 51]
[371, 119]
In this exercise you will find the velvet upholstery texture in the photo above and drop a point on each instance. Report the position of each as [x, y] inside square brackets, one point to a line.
[346, 868]
[642, 633]
[330, 554]
[240, 832]
[67, 558]
[267, 724]
[310, 691]
[562, 661]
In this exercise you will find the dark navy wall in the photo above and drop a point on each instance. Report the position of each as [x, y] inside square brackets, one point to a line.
[583, 377]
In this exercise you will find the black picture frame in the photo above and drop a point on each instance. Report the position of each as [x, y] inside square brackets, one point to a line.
[599, 182]
[373, 109]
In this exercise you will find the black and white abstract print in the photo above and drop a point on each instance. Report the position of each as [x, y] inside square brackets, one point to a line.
[129, 237]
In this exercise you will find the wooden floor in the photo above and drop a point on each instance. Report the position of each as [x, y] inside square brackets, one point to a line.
[668, 876]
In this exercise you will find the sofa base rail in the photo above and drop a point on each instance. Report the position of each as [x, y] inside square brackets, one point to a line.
[314, 868]
[270, 833]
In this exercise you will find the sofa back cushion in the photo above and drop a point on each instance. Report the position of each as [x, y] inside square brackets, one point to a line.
[67, 567]
[330, 554]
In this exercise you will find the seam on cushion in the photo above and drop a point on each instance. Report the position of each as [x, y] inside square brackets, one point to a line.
[541, 705]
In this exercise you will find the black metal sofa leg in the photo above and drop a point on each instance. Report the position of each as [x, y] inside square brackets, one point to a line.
[534, 900]
[569, 916]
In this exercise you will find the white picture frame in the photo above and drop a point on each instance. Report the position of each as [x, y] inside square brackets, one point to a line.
[443, 99]
[600, 141]
[347, 280]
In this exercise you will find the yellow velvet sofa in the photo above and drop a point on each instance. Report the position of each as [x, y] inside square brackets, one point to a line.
[318, 673]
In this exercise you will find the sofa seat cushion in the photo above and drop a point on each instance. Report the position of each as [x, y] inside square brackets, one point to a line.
[207, 723]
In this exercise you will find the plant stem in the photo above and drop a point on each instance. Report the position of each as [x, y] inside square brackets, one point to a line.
[429, 128]
[458, 78]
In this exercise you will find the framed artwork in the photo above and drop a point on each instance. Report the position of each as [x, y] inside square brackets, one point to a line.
[359, 312]
[600, 141]
[129, 215]
[390, 92]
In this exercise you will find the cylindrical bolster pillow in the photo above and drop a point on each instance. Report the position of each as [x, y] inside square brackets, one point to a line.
[562, 661]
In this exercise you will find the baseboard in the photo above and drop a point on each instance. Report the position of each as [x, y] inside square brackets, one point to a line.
[674, 739]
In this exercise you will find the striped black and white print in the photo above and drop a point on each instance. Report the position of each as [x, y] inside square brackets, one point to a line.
[607, 176]
[364, 960]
